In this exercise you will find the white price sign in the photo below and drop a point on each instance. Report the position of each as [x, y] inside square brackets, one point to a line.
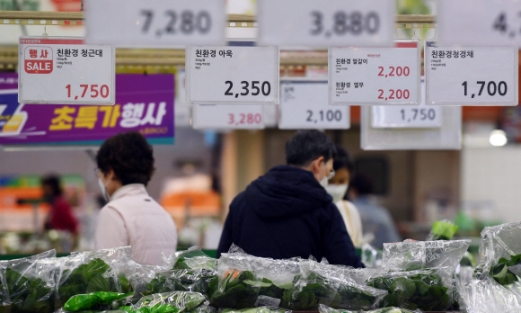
[326, 23]
[479, 23]
[228, 116]
[63, 70]
[471, 76]
[407, 116]
[232, 74]
[303, 104]
[155, 23]
[375, 76]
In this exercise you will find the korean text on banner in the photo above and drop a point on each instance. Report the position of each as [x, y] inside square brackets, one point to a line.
[143, 103]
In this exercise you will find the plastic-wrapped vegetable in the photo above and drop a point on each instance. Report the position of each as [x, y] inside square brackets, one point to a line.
[88, 272]
[193, 258]
[182, 300]
[423, 289]
[327, 284]
[261, 309]
[31, 283]
[5, 306]
[198, 280]
[442, 230]
[100, 300]
[326, 309]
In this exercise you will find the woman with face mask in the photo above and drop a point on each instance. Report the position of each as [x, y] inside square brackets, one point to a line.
[131, 217]
[337, 188]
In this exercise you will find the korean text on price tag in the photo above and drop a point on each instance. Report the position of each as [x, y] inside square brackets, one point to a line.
[60, 70]
[232, 74]
[155, 23]
[471, 76]
[326, 23]
[304, 104]
[228, 116]
[479, 23]
[369, 76]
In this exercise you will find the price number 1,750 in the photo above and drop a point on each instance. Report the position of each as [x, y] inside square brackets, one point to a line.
[185, 22]
[413, 115]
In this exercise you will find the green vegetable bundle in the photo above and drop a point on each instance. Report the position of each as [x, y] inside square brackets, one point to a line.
[5, 306]
[506, 271]
[442, 230]
[83, 274]
[237, 289]
[198, 280]
[326, 309]
[193, 258]
[181, 300]
[262, 309]
[98, 301]
[30, 283]
[412, 290]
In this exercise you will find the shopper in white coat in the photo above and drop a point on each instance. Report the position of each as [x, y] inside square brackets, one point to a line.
[131, 217]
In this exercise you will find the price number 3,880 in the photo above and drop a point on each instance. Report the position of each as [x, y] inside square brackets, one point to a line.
[185, 22]
[324, 116]
[412, 115]
[256, 87]
[492, 89]
[343, 23]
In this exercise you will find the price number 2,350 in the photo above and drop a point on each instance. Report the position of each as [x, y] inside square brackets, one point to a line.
[256, 87]
[343, 23]
[185, 22]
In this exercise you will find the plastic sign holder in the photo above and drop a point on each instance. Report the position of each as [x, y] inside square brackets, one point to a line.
[155, 23]
[304, 105]
[64, 70]
[326, 23]
[479, 76]
[375, 76]
[230, 74]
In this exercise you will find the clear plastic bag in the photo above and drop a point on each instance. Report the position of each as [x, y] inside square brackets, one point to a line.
[326, 309]
[197, 280]
[424, 254]
[328, 285]
[193, 258]
[485, 295]
[5, 303]
[31, 283]
[182, 300]
[261, 309]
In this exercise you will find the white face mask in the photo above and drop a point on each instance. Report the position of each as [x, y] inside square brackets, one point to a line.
[103, 188]
[337, 191]
[324, 182]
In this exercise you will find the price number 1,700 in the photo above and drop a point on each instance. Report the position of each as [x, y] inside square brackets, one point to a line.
[185, 22]
[492, 89]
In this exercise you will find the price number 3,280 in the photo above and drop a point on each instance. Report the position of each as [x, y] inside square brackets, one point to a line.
[492, 88]
[324, 116]
[343, 23]
[413, 115]
[91, 91]
[172, 22]
[254, 88]
[238, 119]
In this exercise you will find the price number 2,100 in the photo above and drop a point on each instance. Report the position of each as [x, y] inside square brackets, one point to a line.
[343, 23]
[172, 22]
[413, 115]
[323, 116]
[254, 88]
[492, 88]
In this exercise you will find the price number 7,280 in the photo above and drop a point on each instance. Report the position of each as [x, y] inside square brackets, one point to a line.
[493, 88]
[256, 87]
[185, 22]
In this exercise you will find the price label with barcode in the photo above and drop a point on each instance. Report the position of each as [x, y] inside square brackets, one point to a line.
[232, 74]
[375, 76]
[64, 70]
[326, 23]
[304, 105]
[471, 76]
[228, 116]
[155, 23]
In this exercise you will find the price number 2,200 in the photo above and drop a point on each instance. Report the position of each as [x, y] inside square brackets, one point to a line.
[413, 115]
[185, 22]
[324, 116]
[492, 88]
[254, 88]
[343, 23]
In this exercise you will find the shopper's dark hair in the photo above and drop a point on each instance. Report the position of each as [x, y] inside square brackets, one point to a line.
[53, 182]
[308, 145]
[130, 157]
[342, 160]
[362, 184]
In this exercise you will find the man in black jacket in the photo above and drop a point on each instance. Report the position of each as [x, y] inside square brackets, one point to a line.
[287, 212]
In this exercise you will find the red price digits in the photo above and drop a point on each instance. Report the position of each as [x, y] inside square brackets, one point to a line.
[394, 94]
[92, 91]
[394, 71]
[244, 119]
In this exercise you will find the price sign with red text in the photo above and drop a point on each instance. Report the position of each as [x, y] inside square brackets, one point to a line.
[228, 116]
[232, 74]
[375, 76]
[481, 76]
[304, 105]
[63, 70]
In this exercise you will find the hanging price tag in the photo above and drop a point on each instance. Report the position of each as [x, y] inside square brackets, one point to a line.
[326, 23]
[304, 105]
[369, 76]
[228, 116]
[155, 23]
[479, 23]
[232, 75]
[471, 76]
[63, 70]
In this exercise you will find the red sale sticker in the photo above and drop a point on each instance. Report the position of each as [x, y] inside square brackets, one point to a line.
[38, 60]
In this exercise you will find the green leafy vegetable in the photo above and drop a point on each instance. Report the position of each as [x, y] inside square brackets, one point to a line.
[237, 290]
[443, 230]
[194, 259]
[198, 280]
[100, 301]
[261, 309]
[501, 272]
[181, 300]
[326, 309]
[423, 290]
